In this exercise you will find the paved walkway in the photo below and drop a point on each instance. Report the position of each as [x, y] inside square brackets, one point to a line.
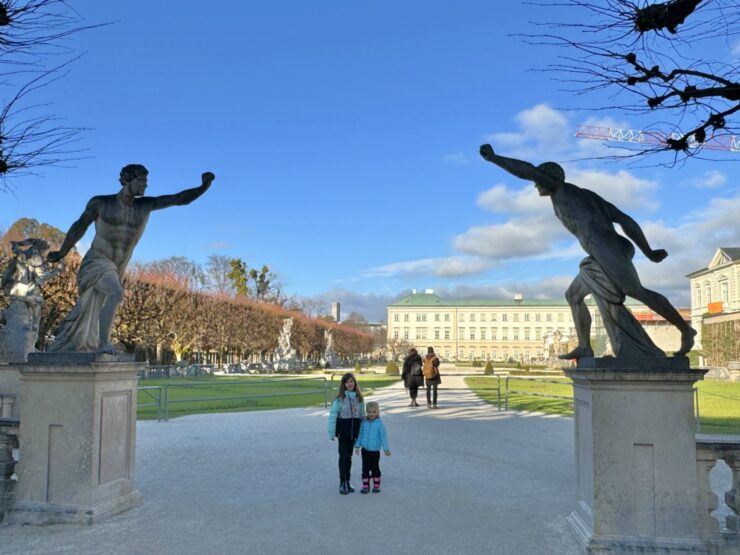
[462, 479]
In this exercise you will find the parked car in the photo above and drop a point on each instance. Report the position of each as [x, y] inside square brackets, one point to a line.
[235, 368]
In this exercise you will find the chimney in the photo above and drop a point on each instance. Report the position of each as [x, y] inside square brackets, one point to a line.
[518, 298]
[429, 291]
[413, 291]
[335, 312]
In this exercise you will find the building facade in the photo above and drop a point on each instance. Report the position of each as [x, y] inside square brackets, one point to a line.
[500, 329]
[484, 329]
[715, 289]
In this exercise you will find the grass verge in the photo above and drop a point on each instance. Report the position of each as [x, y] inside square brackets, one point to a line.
[719, 402]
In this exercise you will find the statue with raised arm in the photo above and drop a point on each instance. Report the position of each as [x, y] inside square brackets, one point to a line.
[119, 220]
[607, 273]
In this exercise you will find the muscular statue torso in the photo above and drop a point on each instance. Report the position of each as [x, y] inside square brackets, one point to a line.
[118, 227]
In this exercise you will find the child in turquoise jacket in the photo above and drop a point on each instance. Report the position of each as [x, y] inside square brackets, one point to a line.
[371, 440]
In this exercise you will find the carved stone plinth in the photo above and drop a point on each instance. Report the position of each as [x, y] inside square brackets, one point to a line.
[636, 457]
[78, 438]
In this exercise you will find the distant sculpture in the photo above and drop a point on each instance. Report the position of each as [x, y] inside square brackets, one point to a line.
[120, 220]
[329, 357]
[285, 355]
[607, 273]
[22, 280]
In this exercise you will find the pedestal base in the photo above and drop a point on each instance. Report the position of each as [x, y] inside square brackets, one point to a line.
[636, 458]
[77, 440]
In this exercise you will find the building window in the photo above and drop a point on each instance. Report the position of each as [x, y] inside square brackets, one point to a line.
[516, 334]
[418, 317]
[447, 333]
[707, 293]
[395, 334]
[472, 317]
[483, 334]
[436, 317]
[406, 333]
[482, 316]
[405, 317]
[698, 296]
[461, 353]
[516, 317]
[724, 292]
[549, 317]
[471, 354]
[493, 317]
[526, 334]
[423, 317]
[436, 333]
[447, 352]
[447, 317]
[471, 335]
[462, 317]
[504, 317]
[561, 317]
[526, 317]
[461, 333]
[538, 334]
[537, 317]
[493, 352]
[395, 317]
[504, 334]
[421, 333]
[494, 333]
[483, 353]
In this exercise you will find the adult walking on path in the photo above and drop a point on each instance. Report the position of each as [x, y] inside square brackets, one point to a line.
[412, 377]
[430, 369]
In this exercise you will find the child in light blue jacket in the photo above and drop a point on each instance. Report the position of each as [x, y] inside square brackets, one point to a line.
[371, 440]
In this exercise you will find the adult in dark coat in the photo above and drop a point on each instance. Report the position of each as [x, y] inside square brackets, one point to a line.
[412, 376]
[430, 369]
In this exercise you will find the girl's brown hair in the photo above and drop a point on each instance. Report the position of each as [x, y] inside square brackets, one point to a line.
[342, 386]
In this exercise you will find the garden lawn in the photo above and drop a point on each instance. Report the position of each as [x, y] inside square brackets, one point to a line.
[719, 402]
[237, 394]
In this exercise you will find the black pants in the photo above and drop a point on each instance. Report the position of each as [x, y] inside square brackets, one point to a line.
[345, 458]
[432, 391]
[413, 391]
[370, 464]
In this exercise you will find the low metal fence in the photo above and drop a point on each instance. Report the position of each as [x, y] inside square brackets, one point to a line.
[552, 380]
[159, 396]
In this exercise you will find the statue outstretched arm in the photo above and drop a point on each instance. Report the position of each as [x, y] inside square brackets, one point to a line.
[519, 168]
[183, 197]
[76, 231]
[633, 230]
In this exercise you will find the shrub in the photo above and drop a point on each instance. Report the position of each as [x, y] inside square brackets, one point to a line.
[392, 369]
[358, 368]
[477, 364]
[489, 369]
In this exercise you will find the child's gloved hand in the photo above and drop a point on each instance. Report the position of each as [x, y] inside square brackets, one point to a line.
[332, 438]
[357, 450]
[387, 453]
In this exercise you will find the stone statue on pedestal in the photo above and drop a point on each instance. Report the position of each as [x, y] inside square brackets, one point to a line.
[285, 355]
[119, 220]
[22, 280]
[607, 273]
[329, 357]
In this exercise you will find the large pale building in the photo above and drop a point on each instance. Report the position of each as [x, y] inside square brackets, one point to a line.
[479, 329]
[715, 290]
[499, 329]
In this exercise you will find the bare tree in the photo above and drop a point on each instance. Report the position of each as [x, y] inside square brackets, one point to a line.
[646, 57]
[32, 32]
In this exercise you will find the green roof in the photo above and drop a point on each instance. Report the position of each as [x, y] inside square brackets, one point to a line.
[432, 300]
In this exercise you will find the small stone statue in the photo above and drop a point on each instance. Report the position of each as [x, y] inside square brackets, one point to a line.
[22, 280]
[329, 358]
[607, 273]
[119, 220]
[285, 355]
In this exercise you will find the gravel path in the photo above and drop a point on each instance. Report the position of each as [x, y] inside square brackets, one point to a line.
[461, 479]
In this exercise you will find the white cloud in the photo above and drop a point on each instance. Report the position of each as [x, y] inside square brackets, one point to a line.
[622, 189]
[544, 133]
[516, 238]
[456, 158]
[371, 306]
[710, 180]
[501, 199]
[453, 266]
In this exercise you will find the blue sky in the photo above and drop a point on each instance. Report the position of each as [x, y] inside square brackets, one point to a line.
[344, 139]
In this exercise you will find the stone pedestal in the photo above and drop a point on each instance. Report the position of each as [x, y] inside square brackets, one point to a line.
[77, 439]
[636, 456]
